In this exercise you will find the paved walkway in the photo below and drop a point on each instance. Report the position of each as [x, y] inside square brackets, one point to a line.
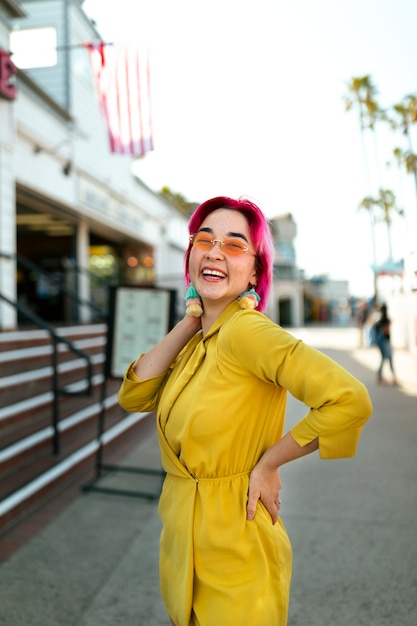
[352, 524]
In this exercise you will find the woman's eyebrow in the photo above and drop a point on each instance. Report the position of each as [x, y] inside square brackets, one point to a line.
[206, 229]
[238, 235]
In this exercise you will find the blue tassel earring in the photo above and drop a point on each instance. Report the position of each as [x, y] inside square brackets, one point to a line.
[249, 299]
[193, 302]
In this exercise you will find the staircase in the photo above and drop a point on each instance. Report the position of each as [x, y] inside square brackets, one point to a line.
[36, 460]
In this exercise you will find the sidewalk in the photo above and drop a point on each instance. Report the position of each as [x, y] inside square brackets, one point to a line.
[351, 523]
[95, 564]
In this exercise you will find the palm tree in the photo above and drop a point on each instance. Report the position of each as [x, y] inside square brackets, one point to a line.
[407, 113]
[387, 203]
[364, 95]
[179, 201]
[410, 160]
[400, 160]
[361, 94]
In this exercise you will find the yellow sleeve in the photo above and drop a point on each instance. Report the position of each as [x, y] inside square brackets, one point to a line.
[339, 404]
[139, 395]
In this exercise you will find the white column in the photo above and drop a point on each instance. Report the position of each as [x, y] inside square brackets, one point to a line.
[298, 307]
[8, 315]
[82, 244]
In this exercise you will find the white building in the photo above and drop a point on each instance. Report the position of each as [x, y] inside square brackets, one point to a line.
[286, 305]
[66, 203]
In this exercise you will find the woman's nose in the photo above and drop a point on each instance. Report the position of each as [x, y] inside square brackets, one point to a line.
[216, 249]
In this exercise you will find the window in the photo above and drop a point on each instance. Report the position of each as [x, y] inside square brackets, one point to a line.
[34, 47]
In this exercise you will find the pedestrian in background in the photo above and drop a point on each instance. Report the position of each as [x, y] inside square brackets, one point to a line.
[361, 322]
[383, 341]
[219, 382]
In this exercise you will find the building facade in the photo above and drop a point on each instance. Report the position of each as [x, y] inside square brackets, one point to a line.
[286, 305]
[68, 206]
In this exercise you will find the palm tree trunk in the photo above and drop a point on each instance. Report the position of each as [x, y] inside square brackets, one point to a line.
[371, 210]
[390, 258]
[410, 147]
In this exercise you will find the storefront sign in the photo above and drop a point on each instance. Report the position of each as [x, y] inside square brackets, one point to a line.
[98, 204]
[8, 71]
[138, 319]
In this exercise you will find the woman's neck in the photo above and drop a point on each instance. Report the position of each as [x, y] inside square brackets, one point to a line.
[211, 311]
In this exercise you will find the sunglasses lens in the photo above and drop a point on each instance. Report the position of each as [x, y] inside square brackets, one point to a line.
[234, 246]
[202, 243]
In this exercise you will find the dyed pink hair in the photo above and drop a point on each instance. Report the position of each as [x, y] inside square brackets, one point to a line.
[259, 231]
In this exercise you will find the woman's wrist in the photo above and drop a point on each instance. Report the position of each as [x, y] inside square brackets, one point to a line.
[190, 325]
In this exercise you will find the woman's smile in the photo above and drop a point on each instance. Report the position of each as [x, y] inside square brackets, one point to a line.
[213, 274]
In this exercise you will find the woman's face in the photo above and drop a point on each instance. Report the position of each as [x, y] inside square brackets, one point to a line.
[218, 276]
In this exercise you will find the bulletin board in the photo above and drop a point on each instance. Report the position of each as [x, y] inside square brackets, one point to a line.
[139, 317]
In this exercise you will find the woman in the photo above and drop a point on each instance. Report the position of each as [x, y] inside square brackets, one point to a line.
[219, 383]
[383, 341]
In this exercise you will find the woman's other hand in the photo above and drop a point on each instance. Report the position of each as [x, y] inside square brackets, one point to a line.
[264, 485]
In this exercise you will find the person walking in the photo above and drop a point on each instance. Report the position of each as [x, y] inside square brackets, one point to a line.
[362, 317]
[383, 341]
[218, 382]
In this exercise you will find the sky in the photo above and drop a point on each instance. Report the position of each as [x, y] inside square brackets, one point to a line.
[248, 100]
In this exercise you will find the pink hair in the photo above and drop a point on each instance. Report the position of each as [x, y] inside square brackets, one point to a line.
[259, 231]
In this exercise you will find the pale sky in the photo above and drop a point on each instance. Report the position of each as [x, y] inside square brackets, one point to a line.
[247, 99]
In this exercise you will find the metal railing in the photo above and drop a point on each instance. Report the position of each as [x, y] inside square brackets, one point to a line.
[98, 281]
[57, 391]
[59, 285]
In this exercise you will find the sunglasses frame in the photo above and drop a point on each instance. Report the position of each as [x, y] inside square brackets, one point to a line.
[242, 250]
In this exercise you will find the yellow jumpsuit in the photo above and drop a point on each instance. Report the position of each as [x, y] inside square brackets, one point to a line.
[219, 407]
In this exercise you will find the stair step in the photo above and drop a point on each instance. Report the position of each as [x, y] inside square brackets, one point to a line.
[17, 453]
[25, 416]
[72, 375]
[9, 340]
[23, 498]
[30, 468]
[20, 360]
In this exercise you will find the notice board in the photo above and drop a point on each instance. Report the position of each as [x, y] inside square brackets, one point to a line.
[139, 317]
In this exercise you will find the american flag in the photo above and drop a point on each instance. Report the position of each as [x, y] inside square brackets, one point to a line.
[121, 75]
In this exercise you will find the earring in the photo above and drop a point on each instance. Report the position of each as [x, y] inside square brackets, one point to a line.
[193, 302]
[249, 299]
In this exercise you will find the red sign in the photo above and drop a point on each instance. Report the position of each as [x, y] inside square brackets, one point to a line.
[8, 70]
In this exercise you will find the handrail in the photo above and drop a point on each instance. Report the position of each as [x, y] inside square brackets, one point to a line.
[56, 338]
[98, 280]
[58, 283]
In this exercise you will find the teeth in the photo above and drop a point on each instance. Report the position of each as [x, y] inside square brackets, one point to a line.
[213, 273]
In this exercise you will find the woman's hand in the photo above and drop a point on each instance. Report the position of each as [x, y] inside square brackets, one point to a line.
[265, 481]
[192, 321]
[264, 485]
